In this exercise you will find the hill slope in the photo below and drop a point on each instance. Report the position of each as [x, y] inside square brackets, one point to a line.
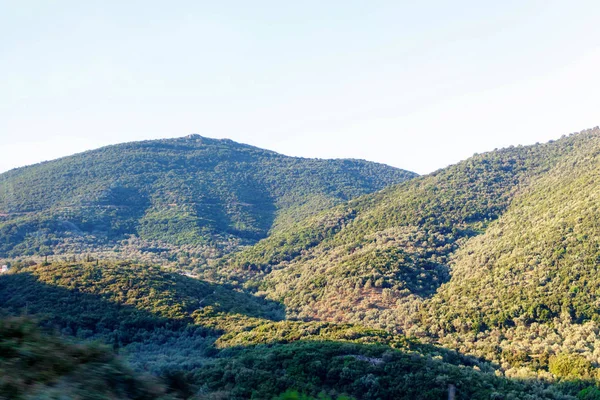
[540, 259]
[480, 256]
[495, 257]
[215, 342]
[401, 238]
[192, 193]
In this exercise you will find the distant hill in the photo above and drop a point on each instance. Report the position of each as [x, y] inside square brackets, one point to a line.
[191, 194]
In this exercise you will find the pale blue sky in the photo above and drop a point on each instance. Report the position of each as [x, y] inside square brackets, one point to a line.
[417, 85]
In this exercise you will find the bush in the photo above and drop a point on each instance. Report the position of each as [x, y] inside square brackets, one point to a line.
[570, 366]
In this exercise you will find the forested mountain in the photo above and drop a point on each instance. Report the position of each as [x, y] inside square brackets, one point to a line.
[540, 259]
[477, 275]
[504, 244]
[400, 238]
[191, 195]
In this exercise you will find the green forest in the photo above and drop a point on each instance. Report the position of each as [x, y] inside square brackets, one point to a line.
[196, 268]
[190, 339]
[192, 198]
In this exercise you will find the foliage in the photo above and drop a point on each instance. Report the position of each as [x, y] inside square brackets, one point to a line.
[589, 393]
[483, 275]
[570, 366]
[393, 246]
[502, 245]
[366, 372]
[294, 395]
[39, 366]
[541, 255]
[122, 303]
[196, 192]
[207, 340]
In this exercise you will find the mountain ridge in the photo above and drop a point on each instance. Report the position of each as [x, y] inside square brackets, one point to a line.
[207, 193]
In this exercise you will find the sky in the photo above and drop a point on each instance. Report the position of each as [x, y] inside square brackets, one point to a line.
[417, 85]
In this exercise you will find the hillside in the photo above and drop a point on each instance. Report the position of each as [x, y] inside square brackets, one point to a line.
[206, 341]
[401, 238]
[540, 259]
[479, 275]
[159, 199]
[532, 274]
[480, 256]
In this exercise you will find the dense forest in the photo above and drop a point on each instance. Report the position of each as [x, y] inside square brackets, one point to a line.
[213, 270]
[170, 199]
[192, 339]
[479, 257]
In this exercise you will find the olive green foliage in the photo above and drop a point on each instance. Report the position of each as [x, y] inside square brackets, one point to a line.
[123, 303]
[393, 245]
[283, 245]
[480, 256]
[40, 366]
[294, 395]
[213, 341]
[570, 366]
[532, 276]
[196, 193]
[483, 275]
[590, 393]
[541, 256]
[364, 372]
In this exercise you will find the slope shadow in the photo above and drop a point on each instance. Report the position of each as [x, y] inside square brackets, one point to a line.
[246, 210]
[365, 371]
[98, 316]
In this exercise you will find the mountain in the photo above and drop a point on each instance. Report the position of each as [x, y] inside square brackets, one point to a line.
[482, 275]
[534, 272]
[154, 199]
[479, 257]
[540, 259]
[401, 238]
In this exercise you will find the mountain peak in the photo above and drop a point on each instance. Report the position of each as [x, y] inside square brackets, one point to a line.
[192, 190]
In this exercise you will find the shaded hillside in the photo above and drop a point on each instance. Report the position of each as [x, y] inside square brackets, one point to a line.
[207, 342]
[122, 303]
[194, 193]
[364, 372]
